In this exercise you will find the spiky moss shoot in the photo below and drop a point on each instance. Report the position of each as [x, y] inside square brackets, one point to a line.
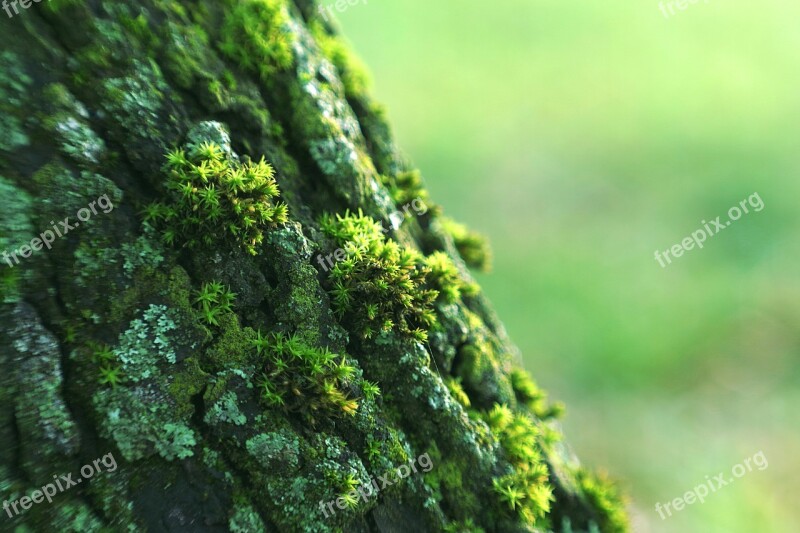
[212, 300]
[525, 491]
[407, 186]
[379, 286]
[443, 276]
[472, 246]
[529, 394]
[457, 391]
[606, 498]
[305, 379]
[255, 35]
[213, 198]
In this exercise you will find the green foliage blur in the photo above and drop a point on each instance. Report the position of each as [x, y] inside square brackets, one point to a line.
[582, 137]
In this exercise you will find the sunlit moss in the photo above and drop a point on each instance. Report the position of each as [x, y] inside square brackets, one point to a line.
[213, 197]
[606, 498]
[305, 379]
[472, 247]
[254, 35]
[378, 285]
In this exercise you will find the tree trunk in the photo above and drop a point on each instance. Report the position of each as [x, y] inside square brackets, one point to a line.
[196, 343]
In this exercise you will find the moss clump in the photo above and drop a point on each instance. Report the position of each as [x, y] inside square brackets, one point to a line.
[606, 499]
[530, 395]
[524, 491]
[213, 299]
[350, 68]
[305, 379]
[213, 197]
[254, 34]
[472, 247]
[406, 187]
[443, 276]
[379, 285]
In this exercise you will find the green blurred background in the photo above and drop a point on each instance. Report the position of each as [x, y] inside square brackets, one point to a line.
[581, 137]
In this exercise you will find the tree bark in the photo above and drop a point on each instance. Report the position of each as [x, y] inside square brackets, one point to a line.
[115, 341]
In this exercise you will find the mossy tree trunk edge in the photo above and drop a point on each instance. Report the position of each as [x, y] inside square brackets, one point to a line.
[221, 275]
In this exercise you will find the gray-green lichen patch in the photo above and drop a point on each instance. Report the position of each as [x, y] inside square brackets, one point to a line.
[210, 131]
[277, 450]
[226, 409]
[141, 416]
[69, 123]
[147, 344]
[328, 126]
[245, 519]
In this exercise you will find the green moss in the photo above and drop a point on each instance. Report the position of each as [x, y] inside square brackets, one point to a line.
[530, 395]
[232, 345]
[443, 276]
[304, 379]
[379, 286]
[407, 186]
[457, 391]
[213, 299]
[607, 500]
[213, 197]
[473, 247]
[350, 68]
[467, 526]
[480, 364]
[254, 34]
[524, 491]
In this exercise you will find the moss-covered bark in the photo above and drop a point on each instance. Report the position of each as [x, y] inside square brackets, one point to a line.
[244, 368]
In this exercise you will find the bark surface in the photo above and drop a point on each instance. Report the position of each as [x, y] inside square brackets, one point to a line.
[240, 372]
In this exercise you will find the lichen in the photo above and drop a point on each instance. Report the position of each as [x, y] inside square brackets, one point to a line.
[226, 409]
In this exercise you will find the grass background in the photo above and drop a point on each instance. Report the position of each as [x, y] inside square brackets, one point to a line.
[581, 137]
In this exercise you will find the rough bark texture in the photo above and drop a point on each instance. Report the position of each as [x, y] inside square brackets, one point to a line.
[116, 340]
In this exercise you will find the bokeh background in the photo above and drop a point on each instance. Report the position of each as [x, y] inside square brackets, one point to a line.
[581, 137]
